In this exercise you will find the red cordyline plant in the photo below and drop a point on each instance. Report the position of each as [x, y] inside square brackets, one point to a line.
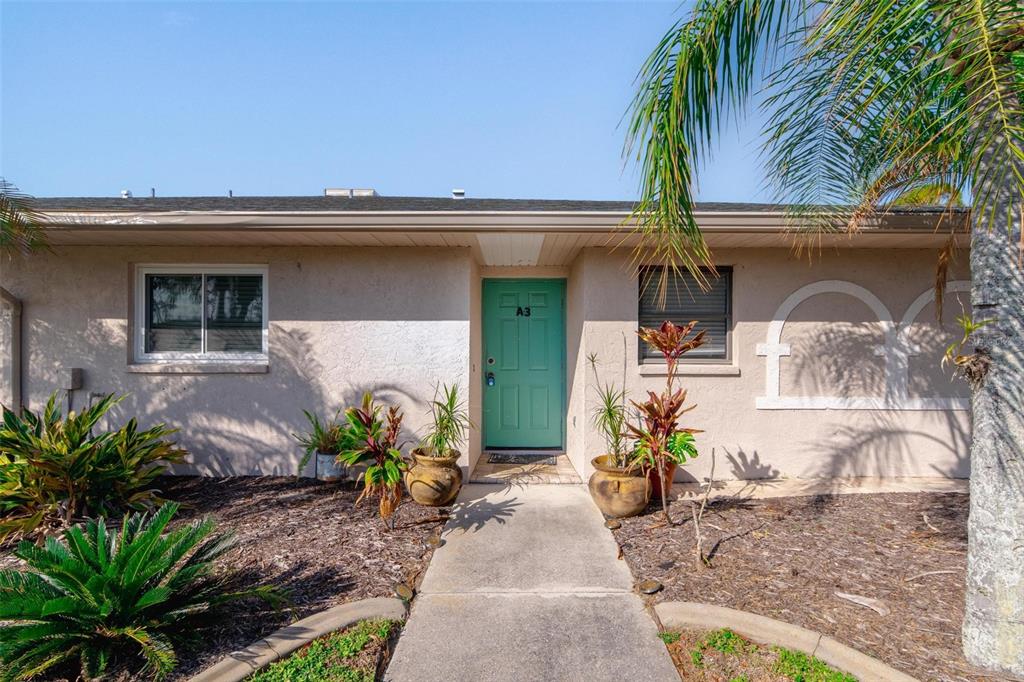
[374, 441]
[658, 428]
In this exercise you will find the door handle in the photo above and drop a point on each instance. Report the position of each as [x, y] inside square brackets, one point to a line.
[490, 378]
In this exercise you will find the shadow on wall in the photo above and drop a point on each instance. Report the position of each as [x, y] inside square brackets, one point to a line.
[250, 415]
[829, 361]
[886, 445]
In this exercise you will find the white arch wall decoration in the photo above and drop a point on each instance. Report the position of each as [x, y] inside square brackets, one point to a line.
[896, 351]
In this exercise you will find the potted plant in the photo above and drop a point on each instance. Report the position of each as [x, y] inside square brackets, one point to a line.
[659, 445]
[435, 477]
[324, 439]
[617, 485]
[372, 441]
[680, 449]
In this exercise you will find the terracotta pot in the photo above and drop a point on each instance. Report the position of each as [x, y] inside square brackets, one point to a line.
[434, 481]
[655, 478]
[618, 492]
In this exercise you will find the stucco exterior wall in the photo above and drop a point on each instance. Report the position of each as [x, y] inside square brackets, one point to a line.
[341, 321]
[398, 321]
[835, 340]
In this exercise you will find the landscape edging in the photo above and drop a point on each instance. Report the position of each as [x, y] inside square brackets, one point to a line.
[764, 630]
[238, 665]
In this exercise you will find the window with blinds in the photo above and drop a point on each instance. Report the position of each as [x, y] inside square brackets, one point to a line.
[191, 313]
[683, 301]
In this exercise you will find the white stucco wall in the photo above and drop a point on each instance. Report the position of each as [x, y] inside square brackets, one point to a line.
[833, 339]
[342, 321]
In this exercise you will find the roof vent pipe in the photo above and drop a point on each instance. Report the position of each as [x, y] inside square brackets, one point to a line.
[458, 194]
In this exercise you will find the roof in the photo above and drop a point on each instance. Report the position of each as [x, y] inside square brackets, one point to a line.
[299, 204]
[325, 204]
[553, 230]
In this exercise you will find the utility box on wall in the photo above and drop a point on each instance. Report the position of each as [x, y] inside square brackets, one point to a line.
[72, 378]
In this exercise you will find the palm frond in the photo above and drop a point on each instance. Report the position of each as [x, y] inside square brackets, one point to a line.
[21, 224]
[702, 70]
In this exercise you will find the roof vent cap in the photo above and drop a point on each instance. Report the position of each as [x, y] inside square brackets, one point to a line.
[458, 193]
[350, 192]
[126, 194]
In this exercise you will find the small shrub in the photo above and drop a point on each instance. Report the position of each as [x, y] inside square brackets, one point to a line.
[328, 659]
[800, 667]
[373, 441]
[55, 470]
[108, 599]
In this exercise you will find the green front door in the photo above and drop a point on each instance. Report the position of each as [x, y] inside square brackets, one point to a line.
[524, 363]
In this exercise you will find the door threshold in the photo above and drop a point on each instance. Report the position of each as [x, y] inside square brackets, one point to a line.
[548, 452]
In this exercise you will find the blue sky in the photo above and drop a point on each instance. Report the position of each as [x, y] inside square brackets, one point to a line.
[503, 99]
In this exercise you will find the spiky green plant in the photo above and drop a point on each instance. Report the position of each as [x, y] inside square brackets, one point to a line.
[449, 422]
[55, 470]
[115, 599]
[866, 101]
[326, 436]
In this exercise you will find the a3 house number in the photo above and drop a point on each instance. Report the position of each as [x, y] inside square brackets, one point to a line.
[523, 312]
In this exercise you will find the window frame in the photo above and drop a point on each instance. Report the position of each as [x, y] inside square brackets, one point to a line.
[204, 269]
[727, 359]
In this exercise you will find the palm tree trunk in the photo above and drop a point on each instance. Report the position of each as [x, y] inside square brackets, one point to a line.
[993, 630]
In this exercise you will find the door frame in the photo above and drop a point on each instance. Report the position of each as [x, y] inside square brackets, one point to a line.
[563, 284]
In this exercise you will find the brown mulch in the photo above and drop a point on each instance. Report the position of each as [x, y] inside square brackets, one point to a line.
[309, 537]
[787, 557]
[303, 535]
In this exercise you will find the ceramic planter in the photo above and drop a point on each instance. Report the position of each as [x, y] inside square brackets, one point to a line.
[654, 477]
[434, 481]
[328, 468]
[618, 492]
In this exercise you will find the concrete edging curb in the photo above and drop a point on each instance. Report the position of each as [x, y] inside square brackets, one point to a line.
[240, 664]
[764, 630]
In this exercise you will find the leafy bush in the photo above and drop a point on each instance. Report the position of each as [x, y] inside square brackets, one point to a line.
[374, 442]
[327, 436]
[108, 599]
[54, 470]
[333, 658]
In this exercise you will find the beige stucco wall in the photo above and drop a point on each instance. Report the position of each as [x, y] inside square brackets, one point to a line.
[342, 321]
[399, 320]
[833, 339]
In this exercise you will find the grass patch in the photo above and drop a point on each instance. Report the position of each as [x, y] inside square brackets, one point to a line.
[800, 667]
[724, 655]
[350, 655]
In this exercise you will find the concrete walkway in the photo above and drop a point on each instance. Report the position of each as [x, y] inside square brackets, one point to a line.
[528, 587]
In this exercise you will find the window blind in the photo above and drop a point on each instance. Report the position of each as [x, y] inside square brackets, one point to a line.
[684, 301]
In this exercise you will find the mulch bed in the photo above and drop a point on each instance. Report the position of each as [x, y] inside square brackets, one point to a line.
[305, 536]
[309, 537]
[787, 557]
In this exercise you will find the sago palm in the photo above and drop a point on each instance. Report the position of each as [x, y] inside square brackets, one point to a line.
[870, 103]
[103, 598]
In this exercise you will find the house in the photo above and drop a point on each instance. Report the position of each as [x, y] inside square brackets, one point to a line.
[227, 316]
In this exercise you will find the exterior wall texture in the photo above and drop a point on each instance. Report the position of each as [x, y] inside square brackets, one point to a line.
[398, 321]
[341, 322]
[836, 351]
